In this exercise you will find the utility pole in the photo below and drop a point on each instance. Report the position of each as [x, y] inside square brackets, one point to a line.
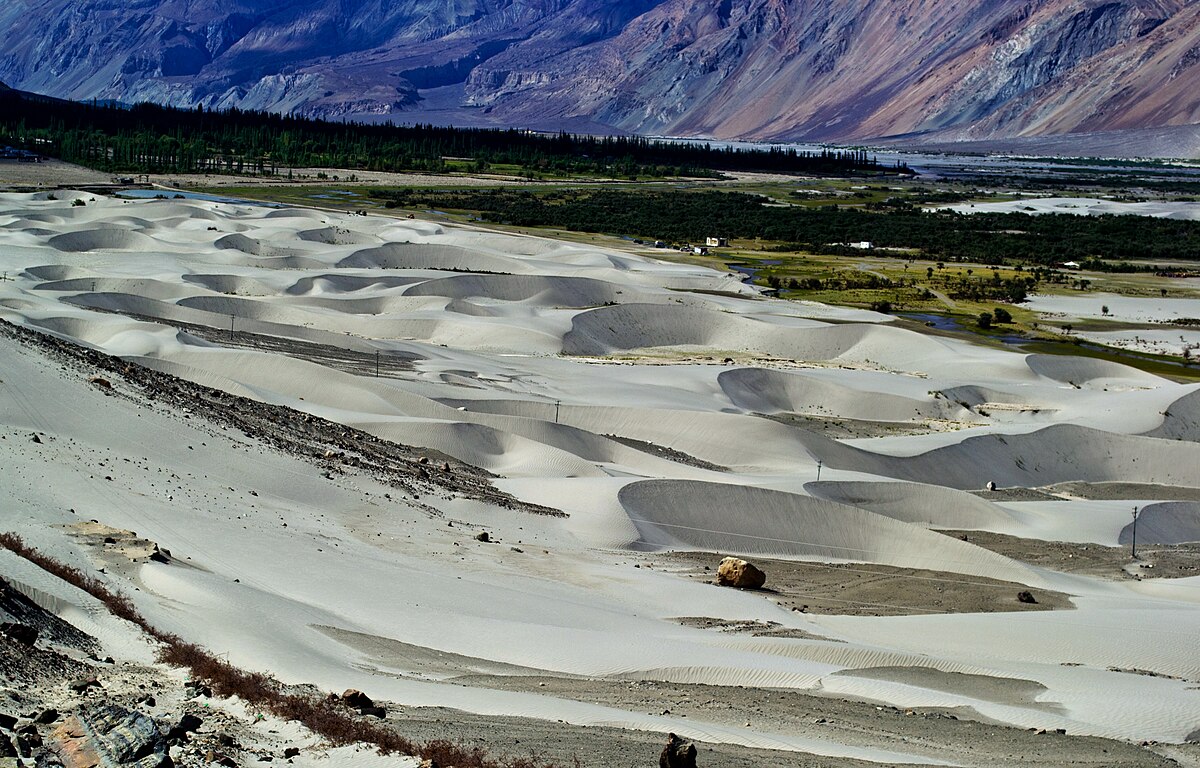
[557, 404]
[819, 464]
[231, 327]
[377, 363]
[1133, 549]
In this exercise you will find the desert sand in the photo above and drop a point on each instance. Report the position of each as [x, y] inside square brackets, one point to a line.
[1086, 206]
[596, 412]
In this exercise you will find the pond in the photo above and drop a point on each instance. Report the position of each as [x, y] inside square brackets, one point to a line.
[1035, 346]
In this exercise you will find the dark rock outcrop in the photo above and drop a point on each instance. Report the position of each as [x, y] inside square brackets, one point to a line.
[677, 753]
[110, 735]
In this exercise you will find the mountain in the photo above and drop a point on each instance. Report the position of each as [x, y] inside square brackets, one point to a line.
[794, 69]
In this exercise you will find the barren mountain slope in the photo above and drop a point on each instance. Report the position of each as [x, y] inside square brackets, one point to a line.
[761, 69]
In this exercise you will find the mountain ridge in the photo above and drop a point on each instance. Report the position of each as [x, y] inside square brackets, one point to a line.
[763, 69]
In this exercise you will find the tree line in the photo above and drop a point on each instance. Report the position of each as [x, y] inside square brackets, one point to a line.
[148, 138]
[678, 216]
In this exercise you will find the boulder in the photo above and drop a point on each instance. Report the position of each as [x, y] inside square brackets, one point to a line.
[738, 573]
[189, 723]
[357, 699]
[677, 754]
[1026, 597]
[110, 735]
[83, 683]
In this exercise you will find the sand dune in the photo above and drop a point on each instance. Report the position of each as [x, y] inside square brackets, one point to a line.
[253, 247]
[101, 239]
[1172, 522]
[1181, 420]
[595, 383]
[931, 505]
[732, 518]
[768, 391]
[1052, 455]
[1085, 371]
[451, 258]
[578, 292]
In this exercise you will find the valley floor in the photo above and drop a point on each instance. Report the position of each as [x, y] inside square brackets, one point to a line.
[319, 414]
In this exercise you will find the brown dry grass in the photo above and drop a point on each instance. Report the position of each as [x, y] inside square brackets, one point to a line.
[326, 717]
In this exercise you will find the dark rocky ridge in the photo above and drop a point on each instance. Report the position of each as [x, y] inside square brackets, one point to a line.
[335, 448]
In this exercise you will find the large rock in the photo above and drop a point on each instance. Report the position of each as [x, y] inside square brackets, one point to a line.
[109, 736]
[677, 754]
[357, 699]
[738, 573]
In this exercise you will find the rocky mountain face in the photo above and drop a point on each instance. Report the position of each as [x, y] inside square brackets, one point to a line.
[814, 69]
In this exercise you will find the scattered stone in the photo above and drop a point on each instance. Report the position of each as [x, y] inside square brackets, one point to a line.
[445, 466]
[738, 573]
[84, 683]
[483, 536]
[101, 382]
[195, 688]
[1026, 597]
[189, 723]
[46, 716]
[677, 754]
[290, 752]
[37, 439]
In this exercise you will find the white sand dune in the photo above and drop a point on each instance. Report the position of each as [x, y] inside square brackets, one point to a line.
[1173, 522]
[1181, 419]
[253, 247]
[546, 290]
[100, 239]
[1086, 371]
[733, 518]
[1055, 454]
[450, 258]
[592, 382]
[769, 391]
[1085, 206]
[241, 285]
[931, 505]
[150, 289]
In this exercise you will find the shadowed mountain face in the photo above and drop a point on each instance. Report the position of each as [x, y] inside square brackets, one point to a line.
[818, 69]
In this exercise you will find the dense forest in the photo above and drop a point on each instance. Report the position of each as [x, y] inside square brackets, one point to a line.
[153, 139]
[691, 216]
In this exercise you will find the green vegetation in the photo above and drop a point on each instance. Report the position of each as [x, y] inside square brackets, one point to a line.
[680, 216]
[153, 139]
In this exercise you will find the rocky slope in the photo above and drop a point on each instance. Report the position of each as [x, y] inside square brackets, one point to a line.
[763, 68]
